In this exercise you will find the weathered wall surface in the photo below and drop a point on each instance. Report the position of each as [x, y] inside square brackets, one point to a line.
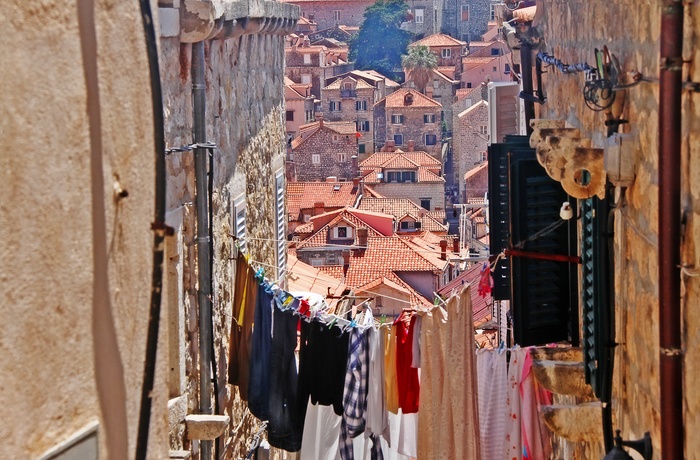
[75, 263]
[469, 140]
[328, 144]
[414, 128]
[572, 31]
[245, 121]
[414, 192]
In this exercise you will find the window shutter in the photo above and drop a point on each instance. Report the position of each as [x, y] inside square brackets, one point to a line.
[596, 297]
[523, 199]
[239, 221]
[281, 236]
[545, 306]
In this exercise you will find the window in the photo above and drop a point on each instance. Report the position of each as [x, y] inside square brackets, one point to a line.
[315, 158]
[336, 15]
[420, 16]
[483, 129]
[495, 68]
[436, 83]
[281, 233]
[307, 58]
[429, 118]
[425, 203]
[401, 176]
[397, 119]
[398, 139]
[430, 139]
[239, 214]
[335, 106]
[360, 105]
[307, 217]
[342, 232]
[465, 12]
[316, 261]
[363, 126]
[408, 225]
[306, 79]
[309, 115]
[492, 12]
[469, 85]
[408, 99]
[495, 52]
[446, 53]
[342, 157]
[361, 148]
[507, 68]
[290, 115]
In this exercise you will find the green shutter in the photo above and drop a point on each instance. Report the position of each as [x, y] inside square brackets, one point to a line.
[596, 297]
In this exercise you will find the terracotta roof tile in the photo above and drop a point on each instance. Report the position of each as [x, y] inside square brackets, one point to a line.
[476, 61]
[396, 99]
[304, 277]
[303, 195]
[476, 170]
[400, 207]
[335, 271]
[426, 175]
[439, 40]
[320, 237]
[481, 306]
[378, 160]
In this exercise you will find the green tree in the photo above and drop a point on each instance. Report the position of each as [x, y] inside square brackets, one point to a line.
[419, 64]
[380, 41]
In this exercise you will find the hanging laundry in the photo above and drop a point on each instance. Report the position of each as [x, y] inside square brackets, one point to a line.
[259, 386]
[491, 368]
[244, 301]
[376, 417]
[406, 376]
[485, 281]
[392, 386]
[321, 433]
[449, 416]
[323, 357]
[285, 428]
[355, 395]
[415, 350]
[514, 443]
[534, 434]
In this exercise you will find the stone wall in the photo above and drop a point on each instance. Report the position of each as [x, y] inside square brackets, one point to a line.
[349, 112]
[246, 122]
[471, 30]
[327, 144]
[432, 18]
[351, 12]
[469, 140]
[414, 128]
[572, 31]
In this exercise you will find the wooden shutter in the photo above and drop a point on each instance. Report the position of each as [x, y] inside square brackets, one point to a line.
[596, 297]
[544, 293]
[281, 235]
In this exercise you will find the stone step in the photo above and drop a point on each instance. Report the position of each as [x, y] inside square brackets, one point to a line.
[577, 423]
[180, 455]
[204, 426]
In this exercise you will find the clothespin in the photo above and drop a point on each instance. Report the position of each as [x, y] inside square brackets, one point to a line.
[260, 274]
[333, 321]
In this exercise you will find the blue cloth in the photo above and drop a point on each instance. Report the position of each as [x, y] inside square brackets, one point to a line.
[259, 385]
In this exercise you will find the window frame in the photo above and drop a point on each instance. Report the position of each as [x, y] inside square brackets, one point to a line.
[315, 158]
[446, 53]
[432, 137]
[398, 139]
[421, 15]
[397, 116]
[429, 118]
[462, 15]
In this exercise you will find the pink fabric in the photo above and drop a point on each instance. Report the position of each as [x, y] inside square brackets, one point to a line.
[534, 436]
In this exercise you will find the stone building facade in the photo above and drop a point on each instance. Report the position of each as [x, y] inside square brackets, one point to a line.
[469, 141]
[325, 149]
[313, 64]
[406, 116]
[328, 13]
[86, 366]
[426, 18]
[571, 32]
[466, 20]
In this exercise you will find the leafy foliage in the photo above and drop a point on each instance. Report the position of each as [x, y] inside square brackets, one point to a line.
[380, 41]
[419, 64]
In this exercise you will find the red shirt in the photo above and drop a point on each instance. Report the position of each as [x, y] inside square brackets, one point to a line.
[406, 376]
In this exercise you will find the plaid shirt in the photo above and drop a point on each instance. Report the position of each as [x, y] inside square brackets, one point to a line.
[355, 396]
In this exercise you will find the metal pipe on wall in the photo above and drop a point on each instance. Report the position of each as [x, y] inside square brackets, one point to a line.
[670, 352]
[526, 72]
[203, 256]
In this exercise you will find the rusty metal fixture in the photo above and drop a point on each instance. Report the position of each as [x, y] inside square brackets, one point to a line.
[670, 328]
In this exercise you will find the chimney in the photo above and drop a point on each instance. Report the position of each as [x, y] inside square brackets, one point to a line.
[362, 236]
[312, 16]
[346, 258]
[331, 179]
[318, 208]
[411, 146]
[390, 145]
[455, 245]
[355, 182]
[443, 249]
[319, 118]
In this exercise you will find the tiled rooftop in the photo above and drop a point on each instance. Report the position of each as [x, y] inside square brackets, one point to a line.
[304, 277]
[439, 40]
[379, 159]
[481, 306]
[320, 238]
[396, 99]
[303, 195]
[400, 207]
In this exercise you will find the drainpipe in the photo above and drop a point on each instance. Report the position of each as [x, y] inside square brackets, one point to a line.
[203, 257]
[670, 353]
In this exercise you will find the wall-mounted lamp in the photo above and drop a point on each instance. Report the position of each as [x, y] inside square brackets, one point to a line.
[566, 213]
[643, 446]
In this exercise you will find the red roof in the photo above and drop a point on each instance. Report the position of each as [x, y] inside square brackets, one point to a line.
[397, 99]
[380, 159]
[304, 277]
[400, 207]
[303, 195]
[439, 40]
[481, 306]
